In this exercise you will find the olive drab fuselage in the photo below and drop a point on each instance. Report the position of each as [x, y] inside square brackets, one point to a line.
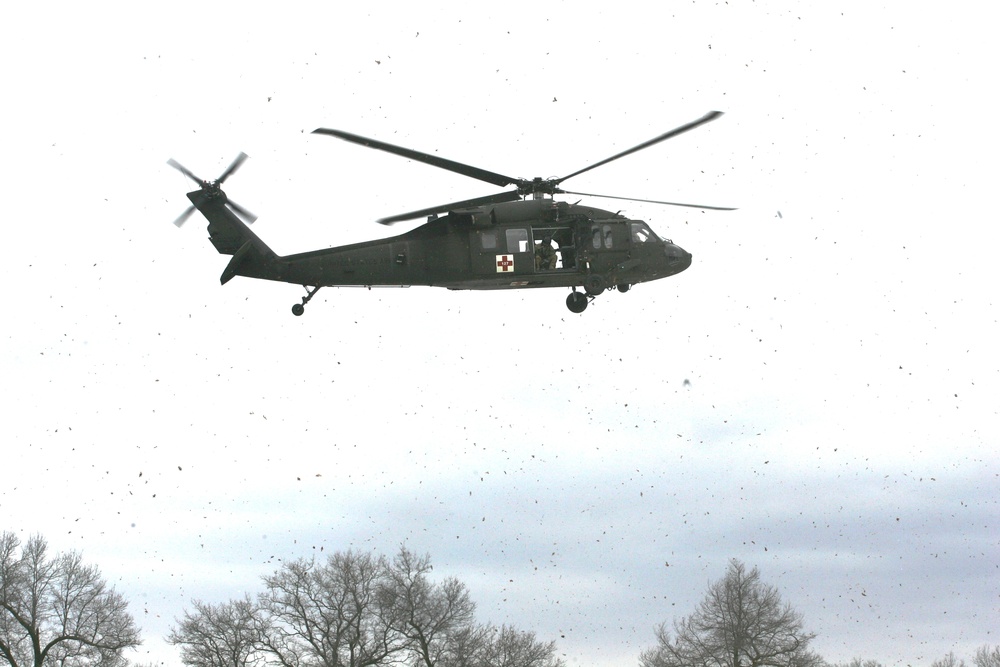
[490, 248]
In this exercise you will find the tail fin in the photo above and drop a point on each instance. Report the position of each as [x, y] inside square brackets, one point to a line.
[229, 234]
[232, 236]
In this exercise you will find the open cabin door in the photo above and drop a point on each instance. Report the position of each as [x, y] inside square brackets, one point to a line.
[522, 251]
[554, 248]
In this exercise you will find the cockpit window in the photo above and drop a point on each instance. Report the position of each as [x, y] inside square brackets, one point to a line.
[641, 233]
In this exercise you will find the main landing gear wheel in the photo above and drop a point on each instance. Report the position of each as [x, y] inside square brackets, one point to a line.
[577, 302]
[624, 287]
[300, 308]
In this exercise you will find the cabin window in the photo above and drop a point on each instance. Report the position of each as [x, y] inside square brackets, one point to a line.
[601, 236]
[517, 240]
[488, 240]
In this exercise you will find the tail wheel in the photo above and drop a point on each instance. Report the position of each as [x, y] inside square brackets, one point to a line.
[299, 308]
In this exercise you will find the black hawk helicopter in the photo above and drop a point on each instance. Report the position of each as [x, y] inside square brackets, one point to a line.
[501, 241]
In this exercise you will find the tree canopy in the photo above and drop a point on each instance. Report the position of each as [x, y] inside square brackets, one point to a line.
[354, 610]
[57, 610]
[741, 622]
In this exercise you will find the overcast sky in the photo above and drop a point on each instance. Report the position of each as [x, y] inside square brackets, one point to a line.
[838, 428]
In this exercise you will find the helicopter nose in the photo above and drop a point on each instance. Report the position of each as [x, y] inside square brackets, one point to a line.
[678, 258]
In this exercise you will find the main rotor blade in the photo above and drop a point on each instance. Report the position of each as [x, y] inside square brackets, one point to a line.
[233, 167]
[512, 195]
[712, 115]
[184, 170]
[433, 160]
[649, 201]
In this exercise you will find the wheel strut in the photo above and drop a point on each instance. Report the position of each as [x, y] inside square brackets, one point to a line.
[300, 308]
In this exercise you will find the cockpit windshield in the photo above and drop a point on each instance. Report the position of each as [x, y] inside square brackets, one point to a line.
[641, 233]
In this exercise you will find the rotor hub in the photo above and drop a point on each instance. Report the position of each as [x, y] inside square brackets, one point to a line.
[213, 189]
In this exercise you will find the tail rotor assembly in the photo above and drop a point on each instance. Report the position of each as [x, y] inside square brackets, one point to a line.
[213, 190]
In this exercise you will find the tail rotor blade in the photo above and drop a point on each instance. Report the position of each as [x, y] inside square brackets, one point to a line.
[211, 190]
[247, 216]
[182, 218]
[232, 168]
[184, 170]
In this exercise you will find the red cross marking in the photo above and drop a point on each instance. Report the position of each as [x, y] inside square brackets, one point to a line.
[505, 263]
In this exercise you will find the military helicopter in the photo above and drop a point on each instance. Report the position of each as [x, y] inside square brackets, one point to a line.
[520, 238]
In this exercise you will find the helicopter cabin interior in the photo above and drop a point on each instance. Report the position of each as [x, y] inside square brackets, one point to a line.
[527, 249]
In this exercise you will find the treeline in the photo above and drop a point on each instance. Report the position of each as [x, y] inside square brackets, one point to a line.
[743, 622]
[986, 656]
[365, 610]
[354, 610]
[350, 610]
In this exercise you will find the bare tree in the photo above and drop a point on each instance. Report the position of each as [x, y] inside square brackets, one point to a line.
[987, 657]
[948, 661]
[503, 646]
[58, 611]
[354, 610]
[465, 647]
[426, 614]
[509, 647]
[741, 622]
[223, 635]
[331, 614]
